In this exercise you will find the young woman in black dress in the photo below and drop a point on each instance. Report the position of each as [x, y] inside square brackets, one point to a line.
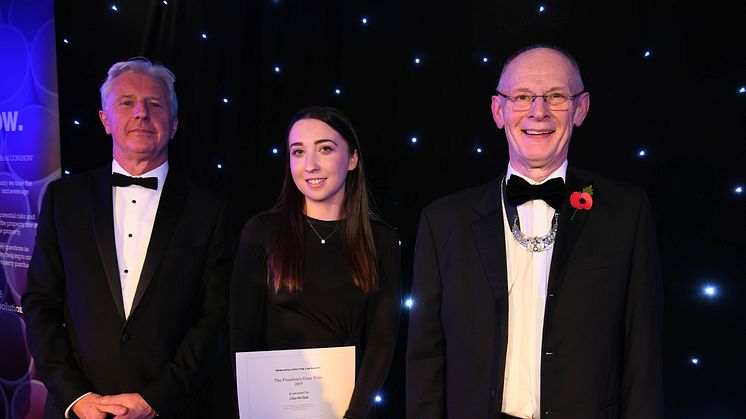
[319, 269]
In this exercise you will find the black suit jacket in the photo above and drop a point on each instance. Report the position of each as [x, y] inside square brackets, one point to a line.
[73, 306]
[601, 344]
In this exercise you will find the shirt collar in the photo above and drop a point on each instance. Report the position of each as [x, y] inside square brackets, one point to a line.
[561, 172]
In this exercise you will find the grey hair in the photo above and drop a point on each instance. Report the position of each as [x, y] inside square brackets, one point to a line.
[141, 65]
[573, 62]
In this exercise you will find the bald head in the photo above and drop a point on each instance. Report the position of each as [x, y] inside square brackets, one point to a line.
[537, 59]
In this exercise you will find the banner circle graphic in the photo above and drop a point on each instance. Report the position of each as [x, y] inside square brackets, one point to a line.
[30, 15]
[28, 401]
[16, 361]
[15, 60]
[40, 139]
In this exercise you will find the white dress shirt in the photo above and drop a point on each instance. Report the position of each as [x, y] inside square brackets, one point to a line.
[134, 216]
[528, 275]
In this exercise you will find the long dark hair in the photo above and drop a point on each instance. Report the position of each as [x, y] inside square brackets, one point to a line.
[285, 259]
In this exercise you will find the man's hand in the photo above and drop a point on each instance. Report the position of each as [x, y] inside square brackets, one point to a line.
[90, 407]
[136, 407]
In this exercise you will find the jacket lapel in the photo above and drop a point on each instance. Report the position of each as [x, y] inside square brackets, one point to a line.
[570, 226]
[490, 239]
[173, 197]
[103, 227]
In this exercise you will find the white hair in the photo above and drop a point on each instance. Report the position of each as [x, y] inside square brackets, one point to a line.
[141, 65]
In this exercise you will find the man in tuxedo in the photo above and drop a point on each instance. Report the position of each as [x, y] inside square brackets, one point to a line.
[126, 300]
[537, 295]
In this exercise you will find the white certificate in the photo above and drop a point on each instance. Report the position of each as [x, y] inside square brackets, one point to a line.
[295, 383]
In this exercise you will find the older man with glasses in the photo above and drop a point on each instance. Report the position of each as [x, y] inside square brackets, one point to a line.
[537, 295]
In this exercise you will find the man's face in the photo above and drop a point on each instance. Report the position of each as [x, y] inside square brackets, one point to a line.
[538, 138]
[138, 117]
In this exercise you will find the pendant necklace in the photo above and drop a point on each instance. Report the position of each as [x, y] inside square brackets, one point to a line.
[533, 244]
[323, 239]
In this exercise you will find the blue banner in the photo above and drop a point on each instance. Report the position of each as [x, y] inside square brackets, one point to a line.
[29, 160]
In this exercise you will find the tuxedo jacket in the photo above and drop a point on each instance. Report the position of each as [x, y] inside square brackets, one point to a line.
[601, 343]
[176, 331]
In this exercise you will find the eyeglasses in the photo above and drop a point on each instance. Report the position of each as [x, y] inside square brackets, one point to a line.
[555, 101]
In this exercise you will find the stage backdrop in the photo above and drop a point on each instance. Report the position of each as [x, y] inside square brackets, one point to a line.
[668, 94]
[29, 160]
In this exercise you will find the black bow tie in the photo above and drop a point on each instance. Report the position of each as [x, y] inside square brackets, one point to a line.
[518, 191]
[118, 179]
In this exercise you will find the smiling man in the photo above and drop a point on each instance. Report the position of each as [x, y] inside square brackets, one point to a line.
[537, 295]
[126, 302]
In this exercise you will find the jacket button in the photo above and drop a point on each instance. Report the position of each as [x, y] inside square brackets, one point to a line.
[550, 353]
[548, 413]
[551, 295]
[127, 337]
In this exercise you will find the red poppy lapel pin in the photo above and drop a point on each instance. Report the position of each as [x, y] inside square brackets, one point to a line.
[582, 200]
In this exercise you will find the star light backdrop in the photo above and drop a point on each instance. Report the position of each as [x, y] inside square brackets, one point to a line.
[668, 92]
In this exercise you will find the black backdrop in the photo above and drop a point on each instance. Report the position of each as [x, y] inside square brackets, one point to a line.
[680, 103]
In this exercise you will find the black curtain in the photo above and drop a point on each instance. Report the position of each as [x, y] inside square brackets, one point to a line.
[679, 103]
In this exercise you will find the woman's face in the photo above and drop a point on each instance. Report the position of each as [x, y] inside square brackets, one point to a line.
[319, 161]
